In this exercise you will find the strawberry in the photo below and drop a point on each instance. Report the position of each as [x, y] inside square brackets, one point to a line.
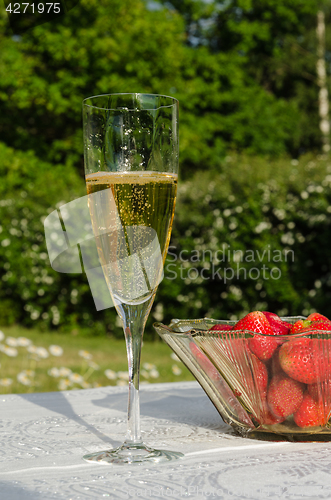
[317, 317]
[279, 327]
[204, 362]
[306, 325]
[296, 359]
[267, 417]
[270, 419]
[310, 413]
[317, 325]
[299, 325]
[306, 360]
[260, 375]
[221, 326]
[321, 393]
[254, 322]
[274, 364]
[284, 396]
[262, 346]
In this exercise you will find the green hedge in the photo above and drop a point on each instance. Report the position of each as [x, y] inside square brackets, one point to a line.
[253, 235]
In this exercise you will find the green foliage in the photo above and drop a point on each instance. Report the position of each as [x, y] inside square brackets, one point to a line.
[222, 107]
[31, 292]
[244, 73]
[272, 45]
[94, 49]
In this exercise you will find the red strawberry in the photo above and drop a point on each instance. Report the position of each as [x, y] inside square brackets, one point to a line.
[306, 325]
[299, 325]
[204, 362]
[267, 417]
[263, 347]
[279, 327]
[284, 396]
[317, 317]
[260, 375]
[317, 325]
[315, 391]
[306, 360]
[221, 326]
[254, 322]
[270, 419]
[310, 413]
[321, 393]
[274, 364]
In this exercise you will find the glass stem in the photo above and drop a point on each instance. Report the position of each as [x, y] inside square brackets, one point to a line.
[134, 319]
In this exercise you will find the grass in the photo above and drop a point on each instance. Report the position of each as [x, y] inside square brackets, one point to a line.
[83, 362]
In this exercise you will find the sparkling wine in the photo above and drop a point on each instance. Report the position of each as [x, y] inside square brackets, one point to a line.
[132, 214]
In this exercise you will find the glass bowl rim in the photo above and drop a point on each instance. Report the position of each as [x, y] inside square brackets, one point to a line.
[310, 334]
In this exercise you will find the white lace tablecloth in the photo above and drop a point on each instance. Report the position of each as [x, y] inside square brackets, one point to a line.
[44, 436]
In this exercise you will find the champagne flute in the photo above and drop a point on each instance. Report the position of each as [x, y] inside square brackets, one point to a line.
[131, 166]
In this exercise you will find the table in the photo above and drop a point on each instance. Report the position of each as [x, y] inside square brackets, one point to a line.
[44, 436]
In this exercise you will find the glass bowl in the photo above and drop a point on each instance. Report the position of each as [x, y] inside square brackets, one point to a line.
[254, 396]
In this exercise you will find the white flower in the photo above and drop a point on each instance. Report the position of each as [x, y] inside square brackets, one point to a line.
[55, 350]
[148, 366]
[64, 371]
[5, 382]
[75, 378]
[85, 385]
[2, 335]
[64, 384]
[144, 373]
[176, 370]
[154, 373]
[94, 365]
[23, 378]
[121, 382]
[85, 354]
[23, 342]
[10, 351]
[54, 372]
[11, 341]
[32, 349]
[262, 226]
[110, 374]
[42, 352]
[29, 373]
[123, 375]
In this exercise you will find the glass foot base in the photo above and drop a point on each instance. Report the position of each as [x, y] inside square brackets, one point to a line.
[133, 453]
